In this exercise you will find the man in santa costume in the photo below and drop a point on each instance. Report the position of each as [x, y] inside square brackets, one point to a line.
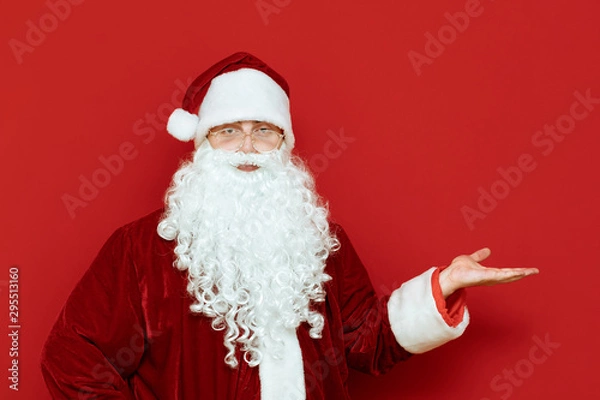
[241, 287]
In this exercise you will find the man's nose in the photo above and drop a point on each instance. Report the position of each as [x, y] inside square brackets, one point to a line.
[247, 146]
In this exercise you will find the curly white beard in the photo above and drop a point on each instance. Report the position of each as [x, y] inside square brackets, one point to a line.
[254, 244]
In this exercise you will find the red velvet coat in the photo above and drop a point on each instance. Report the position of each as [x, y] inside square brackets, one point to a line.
[126, 331]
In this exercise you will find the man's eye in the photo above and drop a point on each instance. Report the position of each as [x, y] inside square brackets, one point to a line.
[229, 132]
[263, 131]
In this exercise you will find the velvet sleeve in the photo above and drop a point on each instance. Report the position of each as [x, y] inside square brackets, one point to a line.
[99, 338]
[369, 342]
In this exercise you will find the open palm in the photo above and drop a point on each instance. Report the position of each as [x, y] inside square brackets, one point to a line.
[465, 271]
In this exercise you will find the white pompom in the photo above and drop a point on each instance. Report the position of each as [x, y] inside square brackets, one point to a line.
[182, 124]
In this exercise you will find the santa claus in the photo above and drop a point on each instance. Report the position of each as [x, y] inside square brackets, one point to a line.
[241, 287]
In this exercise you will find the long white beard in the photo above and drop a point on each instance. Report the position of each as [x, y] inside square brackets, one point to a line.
[254, 244]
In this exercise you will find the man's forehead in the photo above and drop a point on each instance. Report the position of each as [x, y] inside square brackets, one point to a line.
[237, 123]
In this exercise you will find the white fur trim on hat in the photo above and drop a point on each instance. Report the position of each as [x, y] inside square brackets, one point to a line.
[244, 95]
[415, 319]
[182, 124]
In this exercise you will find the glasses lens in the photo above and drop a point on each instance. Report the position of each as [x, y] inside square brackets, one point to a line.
[262, 146]
[230, 144]
[229, 139]
[265, 140]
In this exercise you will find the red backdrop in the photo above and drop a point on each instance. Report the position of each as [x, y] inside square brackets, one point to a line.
[434, 129]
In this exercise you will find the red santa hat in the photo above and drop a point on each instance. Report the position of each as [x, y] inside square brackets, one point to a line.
[238, 88]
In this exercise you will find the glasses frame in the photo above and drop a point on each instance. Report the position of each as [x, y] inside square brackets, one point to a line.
[251, 134]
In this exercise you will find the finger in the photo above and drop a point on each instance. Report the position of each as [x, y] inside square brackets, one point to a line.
[507, 279]
[503, 281]
[506, 275]
[524, 271]
[481, 254]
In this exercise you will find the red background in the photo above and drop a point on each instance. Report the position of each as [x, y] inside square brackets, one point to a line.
[423, 146]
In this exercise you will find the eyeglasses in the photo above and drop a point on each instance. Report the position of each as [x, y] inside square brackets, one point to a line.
[263, 138]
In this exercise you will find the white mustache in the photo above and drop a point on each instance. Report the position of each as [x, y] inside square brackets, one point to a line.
[256, 159]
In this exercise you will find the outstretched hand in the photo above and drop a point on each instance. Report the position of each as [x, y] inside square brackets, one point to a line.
[465, 271]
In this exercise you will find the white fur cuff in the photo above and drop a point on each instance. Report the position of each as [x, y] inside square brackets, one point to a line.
[415, 319]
